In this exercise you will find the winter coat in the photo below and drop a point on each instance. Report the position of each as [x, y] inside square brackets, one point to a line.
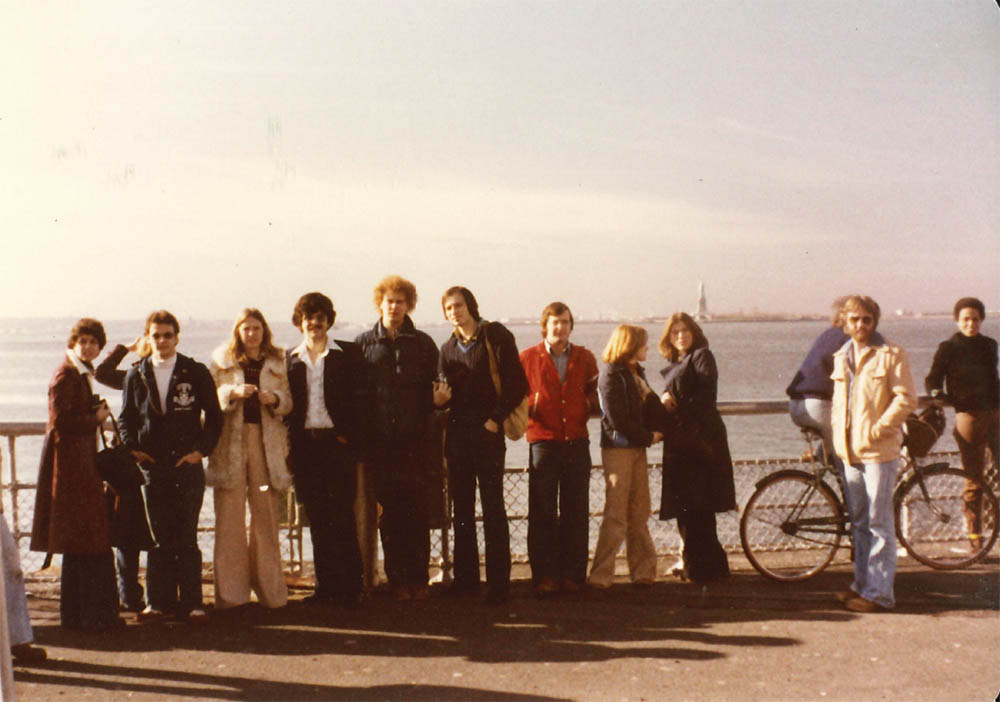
[401, 374]
[71, 514]
[228, 458]
[882, 397]
[697, 467]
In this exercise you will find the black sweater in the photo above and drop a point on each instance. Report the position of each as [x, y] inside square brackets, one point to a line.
[966, 368]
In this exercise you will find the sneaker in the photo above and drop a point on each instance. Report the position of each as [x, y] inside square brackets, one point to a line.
[150, 614]
[860, 604]
[26, 653]
[197, 616]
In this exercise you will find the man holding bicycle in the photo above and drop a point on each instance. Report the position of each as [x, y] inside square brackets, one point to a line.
[872, 397]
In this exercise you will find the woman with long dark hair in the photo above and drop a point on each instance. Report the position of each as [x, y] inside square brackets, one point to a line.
[697, 468]
[71, 515]
[249, 464]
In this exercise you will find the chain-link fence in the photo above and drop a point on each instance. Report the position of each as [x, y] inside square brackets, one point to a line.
[25, 439]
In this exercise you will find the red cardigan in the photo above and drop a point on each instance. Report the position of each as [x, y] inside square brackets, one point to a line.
[559, 411]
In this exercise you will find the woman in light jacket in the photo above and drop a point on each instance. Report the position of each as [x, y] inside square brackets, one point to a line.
[248, 464]
[622, 390]
[697, 468]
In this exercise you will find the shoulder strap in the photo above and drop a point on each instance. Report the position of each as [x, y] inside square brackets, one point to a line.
[494, 370]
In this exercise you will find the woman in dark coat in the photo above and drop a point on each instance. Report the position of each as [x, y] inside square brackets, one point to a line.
[70, 510]
[697, 468]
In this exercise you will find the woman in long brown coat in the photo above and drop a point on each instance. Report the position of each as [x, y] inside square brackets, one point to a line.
[70, 510]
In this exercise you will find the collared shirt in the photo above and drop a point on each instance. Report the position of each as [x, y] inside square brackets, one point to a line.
[561, 360]
[162, 370]
[466, 344]
[317, 416]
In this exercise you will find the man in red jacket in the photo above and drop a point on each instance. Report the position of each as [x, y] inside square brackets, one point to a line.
[563, 389]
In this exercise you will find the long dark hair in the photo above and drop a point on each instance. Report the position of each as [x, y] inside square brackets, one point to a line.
[699, 340]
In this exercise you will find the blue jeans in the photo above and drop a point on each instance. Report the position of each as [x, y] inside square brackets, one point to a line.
[476, 455]
[130, 592]
[559, 509]
[173, 501]
[868, 490]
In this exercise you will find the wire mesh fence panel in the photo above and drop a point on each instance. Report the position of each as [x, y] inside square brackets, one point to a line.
[18, 498]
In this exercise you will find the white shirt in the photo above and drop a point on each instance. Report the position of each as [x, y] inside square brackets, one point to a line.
[316, 415]
[162, 370]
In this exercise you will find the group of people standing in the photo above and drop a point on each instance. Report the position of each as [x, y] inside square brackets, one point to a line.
[266, 419]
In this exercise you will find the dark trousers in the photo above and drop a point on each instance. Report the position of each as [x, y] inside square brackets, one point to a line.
[325, 483]
[173, 502]
[559, 509]
[704, 558]
[400, 472]
[130, 592]
[87, 594]
[475, 454]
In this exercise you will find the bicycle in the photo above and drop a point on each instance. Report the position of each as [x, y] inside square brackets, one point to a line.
[794, 522]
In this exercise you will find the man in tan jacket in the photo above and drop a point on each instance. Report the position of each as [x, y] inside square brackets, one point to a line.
[873, 395]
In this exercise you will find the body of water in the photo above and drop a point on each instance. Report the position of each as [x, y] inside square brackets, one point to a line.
[756, 362]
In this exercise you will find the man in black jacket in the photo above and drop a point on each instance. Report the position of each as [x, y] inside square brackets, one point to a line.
[163, 402]
[402, 366]
[325, 431]
[475, 446]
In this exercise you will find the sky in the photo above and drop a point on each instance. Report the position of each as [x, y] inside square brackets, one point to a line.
[205, 157]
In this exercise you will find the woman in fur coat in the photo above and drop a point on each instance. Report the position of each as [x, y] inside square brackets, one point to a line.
[249, 464]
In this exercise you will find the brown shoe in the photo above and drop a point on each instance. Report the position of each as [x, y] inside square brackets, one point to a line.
[420, 593]
[26, 653]
[546, 587]
[860, 604]
[571, 586]
[401, 594]
[844, 595]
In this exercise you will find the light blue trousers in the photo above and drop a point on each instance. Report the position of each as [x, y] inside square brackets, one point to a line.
[18, 620]
[869, 502]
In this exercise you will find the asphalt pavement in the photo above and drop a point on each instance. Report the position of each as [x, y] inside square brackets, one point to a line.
[746, 638]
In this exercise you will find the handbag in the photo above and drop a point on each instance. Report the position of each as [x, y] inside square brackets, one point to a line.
[116, 466]
[515, 423]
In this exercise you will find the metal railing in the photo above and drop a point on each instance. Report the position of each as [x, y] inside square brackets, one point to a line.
[18, 500]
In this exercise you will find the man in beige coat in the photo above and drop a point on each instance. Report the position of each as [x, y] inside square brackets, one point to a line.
[873, 395]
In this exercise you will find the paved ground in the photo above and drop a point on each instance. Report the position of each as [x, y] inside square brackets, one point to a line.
[746, 639]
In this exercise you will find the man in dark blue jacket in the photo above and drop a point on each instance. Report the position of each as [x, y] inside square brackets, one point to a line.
[165, 398]
[402, 367]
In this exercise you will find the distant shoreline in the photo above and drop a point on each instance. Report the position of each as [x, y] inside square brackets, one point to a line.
[649, 319]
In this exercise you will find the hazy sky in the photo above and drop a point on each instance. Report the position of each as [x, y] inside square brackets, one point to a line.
[206, 156]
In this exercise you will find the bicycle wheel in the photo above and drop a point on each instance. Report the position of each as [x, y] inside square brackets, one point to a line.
[930, 520]
[791, 526]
